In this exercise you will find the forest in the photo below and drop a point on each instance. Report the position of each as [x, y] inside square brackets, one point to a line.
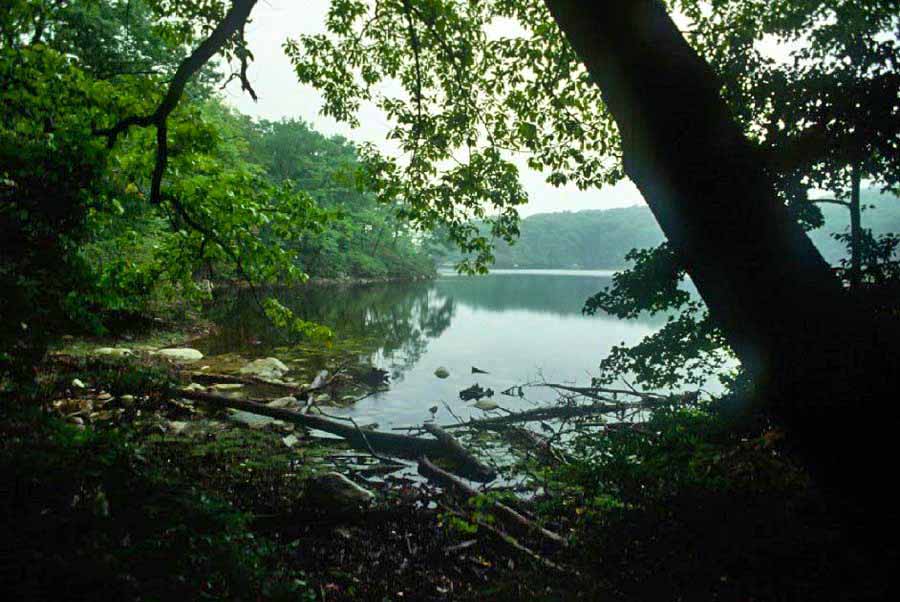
[245, 357]
[599, 239]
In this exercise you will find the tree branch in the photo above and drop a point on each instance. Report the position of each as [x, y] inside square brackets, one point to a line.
[233, 23]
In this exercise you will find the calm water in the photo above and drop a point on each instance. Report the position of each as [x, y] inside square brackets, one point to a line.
[520, 326]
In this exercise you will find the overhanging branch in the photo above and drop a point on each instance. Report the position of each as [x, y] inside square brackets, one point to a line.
[233, 24]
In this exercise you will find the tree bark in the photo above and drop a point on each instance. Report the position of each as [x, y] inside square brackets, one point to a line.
[813, 356]
[855, 229]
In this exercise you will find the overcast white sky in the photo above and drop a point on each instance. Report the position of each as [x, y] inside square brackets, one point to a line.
[280, 95]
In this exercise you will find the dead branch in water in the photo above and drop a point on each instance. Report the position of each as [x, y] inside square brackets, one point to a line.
[594, 392]
[402, 446]
[549, 413]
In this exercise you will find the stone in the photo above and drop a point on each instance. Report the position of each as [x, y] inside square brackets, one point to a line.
[194, 387]
[486, 405]
[335, 492]
[181, 354]
[227, 386]
[442, 372]
[323, 398]
[126, 400]
[286, 403]
[290, 440]
[176, 427]
[114, 351]
[253, 421]
[76, 382]
[268, 368]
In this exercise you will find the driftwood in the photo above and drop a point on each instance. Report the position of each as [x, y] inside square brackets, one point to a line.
[510, 516]
[549, 413]
[451, 443]
[594, 392]
[513, 543]
[207, 378]
[403, 446]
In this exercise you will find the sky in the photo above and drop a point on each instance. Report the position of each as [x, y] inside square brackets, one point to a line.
[281, 95]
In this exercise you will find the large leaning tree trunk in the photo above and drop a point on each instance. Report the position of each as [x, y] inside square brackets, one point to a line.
[815, 358]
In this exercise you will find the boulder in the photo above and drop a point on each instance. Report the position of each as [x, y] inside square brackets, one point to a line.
[286, 403]
[486, 404]
[269, 368]
[334, 492]
[114, 351]
[227, 386]
[182, 354]
[442, 372]
[253, 421]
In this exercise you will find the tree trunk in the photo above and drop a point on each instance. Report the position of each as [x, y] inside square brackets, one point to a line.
[855, 229]
[812, 355]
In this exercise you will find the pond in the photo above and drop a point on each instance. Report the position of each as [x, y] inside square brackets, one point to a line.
[520, 326]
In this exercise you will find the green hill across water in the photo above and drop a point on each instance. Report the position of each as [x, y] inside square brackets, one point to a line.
[600, 239]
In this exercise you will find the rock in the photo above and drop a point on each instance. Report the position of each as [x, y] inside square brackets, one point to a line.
[335, 492]
[251, 420]
[290, 440]
[76, 382]
[104, 396]
[479, 371]
[486, 404]
[181, 354]
[269, 368]
[126, 400]
[194, 387]
[286, 403]
[176, 427]
[227, 386]
[323, 398]
[475, 392]
[442, 372]
[114, 351]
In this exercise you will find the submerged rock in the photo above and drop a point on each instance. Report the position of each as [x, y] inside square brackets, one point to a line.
[335, 492]
[270, 368]
[442, 372]
[486, 404]
[183, 354]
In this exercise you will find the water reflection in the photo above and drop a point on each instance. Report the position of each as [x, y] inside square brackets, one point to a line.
[517, 326]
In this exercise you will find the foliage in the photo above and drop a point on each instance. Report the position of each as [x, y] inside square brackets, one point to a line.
[284, 319]
[85, 241]
[88, 510]
[464, 105]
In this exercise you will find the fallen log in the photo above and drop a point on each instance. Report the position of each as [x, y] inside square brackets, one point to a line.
[549, 413]
[451, 443]
[594, 392]
[510, 516]
[207, 378]
[403, 446]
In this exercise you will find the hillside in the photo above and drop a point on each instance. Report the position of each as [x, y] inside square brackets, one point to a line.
[600, 239]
